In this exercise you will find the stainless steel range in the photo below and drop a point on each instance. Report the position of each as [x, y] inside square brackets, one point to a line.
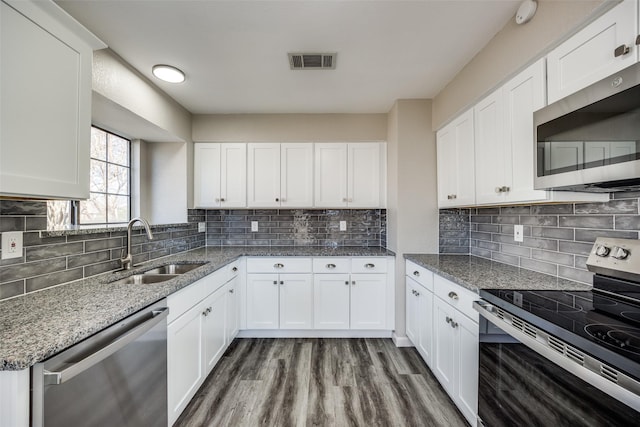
[565, 357]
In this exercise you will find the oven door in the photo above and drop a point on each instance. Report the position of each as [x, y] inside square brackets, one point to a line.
[520, 386]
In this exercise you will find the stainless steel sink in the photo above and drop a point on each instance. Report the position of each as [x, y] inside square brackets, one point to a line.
[143, 279]
[174, 268]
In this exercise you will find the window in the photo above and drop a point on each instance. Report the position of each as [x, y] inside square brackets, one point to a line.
[109, 201]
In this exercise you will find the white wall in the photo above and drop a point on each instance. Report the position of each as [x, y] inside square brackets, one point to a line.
[412, 211]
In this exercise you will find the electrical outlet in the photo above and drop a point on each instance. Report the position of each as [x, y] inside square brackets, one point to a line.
[12, 244]
[343, 225]
[254, 225]
[518, 231]
[202, 227]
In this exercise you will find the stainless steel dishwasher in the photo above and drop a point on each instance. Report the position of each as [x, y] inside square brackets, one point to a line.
[117, 377]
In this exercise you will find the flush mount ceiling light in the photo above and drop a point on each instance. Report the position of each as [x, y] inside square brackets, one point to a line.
[168, 73]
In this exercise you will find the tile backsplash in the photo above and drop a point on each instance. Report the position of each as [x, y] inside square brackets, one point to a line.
[56, 257]
[557, 237]
[296, 227]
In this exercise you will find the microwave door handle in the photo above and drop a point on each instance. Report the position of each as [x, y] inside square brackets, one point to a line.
[60, 377]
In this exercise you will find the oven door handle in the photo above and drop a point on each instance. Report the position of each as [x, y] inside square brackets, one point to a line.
[564, 355]
[60, 377]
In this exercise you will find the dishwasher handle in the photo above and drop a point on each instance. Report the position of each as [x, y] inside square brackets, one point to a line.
[56, 378]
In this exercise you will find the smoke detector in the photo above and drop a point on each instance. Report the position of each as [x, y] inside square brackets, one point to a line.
[526, 11]
[312, 61]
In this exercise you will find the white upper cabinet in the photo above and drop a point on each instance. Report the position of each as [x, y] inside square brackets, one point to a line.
[604, 47]
[348, 175]
[220, 179]
[280, 175]
[456, 175]
[491, 148]
[45, 126]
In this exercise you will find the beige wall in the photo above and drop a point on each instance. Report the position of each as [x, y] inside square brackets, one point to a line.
[412, 212]
[511, 50]
[289, 127]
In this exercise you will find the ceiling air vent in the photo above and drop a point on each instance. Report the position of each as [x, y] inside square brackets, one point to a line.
[312, 61]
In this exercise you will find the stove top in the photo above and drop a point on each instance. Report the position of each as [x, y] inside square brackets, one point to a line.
[606, 327]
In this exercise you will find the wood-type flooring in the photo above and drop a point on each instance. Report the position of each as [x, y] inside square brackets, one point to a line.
[320, 382]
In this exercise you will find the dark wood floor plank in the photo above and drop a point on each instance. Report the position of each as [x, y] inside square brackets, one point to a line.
[320, 382]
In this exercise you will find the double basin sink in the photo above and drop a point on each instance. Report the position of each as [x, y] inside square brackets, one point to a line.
[158, 274]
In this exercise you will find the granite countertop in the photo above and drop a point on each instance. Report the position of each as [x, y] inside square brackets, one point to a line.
[476, 273]
[36, 326]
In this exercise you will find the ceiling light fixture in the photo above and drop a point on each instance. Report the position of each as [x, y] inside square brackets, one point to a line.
[168, 73]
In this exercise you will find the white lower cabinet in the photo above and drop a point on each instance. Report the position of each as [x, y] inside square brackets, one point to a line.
[419, 302]
[456, 350]
[279, 301]
[368, 301]
[331, 301]
[232, 290]
[198, 333]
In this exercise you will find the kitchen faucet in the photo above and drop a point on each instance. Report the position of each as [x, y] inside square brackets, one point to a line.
[127, 261]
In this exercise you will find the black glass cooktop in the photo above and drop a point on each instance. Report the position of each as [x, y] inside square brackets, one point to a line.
[605, 327]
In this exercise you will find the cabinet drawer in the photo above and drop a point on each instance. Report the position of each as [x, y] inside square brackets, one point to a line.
[279, 265]
[368, 265]
[455, 295]
[331, 265]
[420, 274]
[180, 302]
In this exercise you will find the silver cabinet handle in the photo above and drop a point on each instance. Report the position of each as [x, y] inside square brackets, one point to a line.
[231, 291]
[453, 324]
[416, 273]
[453, 295]
[353, 282]
[330, 266]
[55, 378]
[234, 269]
[413, 291]
[638, 40]
[282, 282]
[503, 189]
[448, 319]
[277, 199]
[278, 265]
[417, 293]
[346, 282]
[452, 196]
[275, 282]
[369, 265]
[621, 50]
[222, 199]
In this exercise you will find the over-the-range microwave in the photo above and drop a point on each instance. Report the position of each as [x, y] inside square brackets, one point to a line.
[590, 140]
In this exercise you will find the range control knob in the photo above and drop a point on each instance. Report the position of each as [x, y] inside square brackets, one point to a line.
[602, 251]
[619, 253]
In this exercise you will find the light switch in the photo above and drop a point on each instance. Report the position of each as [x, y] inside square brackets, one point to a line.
[202, 227]
[12, 244]
[254, 225]
[343, 225]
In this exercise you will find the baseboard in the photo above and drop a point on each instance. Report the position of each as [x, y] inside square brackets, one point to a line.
[312, 333]
[401, 341]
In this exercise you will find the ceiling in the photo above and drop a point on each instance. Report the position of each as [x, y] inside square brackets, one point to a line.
[234, 53]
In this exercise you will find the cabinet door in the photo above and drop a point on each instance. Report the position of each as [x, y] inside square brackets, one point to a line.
[411, 298]
[331, 301]
[456, 170]
[588, 56]
[368, 301]
[263, 175]
[184, 360]
[232, 290]
[233, 175]
[491, 150]
[425, 320]
[296, 175]
[46, 115]
[262, 301]
[467, 368]
[213, 331]
[206, 175]
[523, 95]
[330, 173]
[363, 175]
[296, 301]
[445, 346]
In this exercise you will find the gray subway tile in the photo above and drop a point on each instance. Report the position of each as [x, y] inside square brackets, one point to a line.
[575, 248]
[31, 269]
[626, 195]
[103, 267]
[503, 219]
[515, 210]
[97, 245]
[483, 253]
[12, 223]
[542, 267]
[488, 211]
[36, 223]
[52, 279]
[627, 222]
[553, 257]
[587, 235]
[88, 258]
[540, 243]
[516, 250]
[575, 274]
[540, 220]
[587, 221]
[489, 228]
[504, 258]
[481, 236]
[581, 262]
[553, 233]
[37, 253]
[11, 289]
[482, 219]
[488, 245]
[559, 209]
[32, 238]
[626, 206]
[91, 236]
[22, 207]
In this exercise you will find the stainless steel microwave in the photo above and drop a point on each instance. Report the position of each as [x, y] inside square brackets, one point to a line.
[590, 141]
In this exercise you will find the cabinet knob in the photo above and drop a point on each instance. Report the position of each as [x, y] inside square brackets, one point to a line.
[369, 265]
[621, 50]
[417, 293]
[448, 319]
[275, 282]
[278, 265]
[346, 282]
[452, 197]
[282, 282]
[230, 291]
[222, 199]
[453, 295]
[277, 199]
[416, 273]
[234, 269]
[331, 266]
